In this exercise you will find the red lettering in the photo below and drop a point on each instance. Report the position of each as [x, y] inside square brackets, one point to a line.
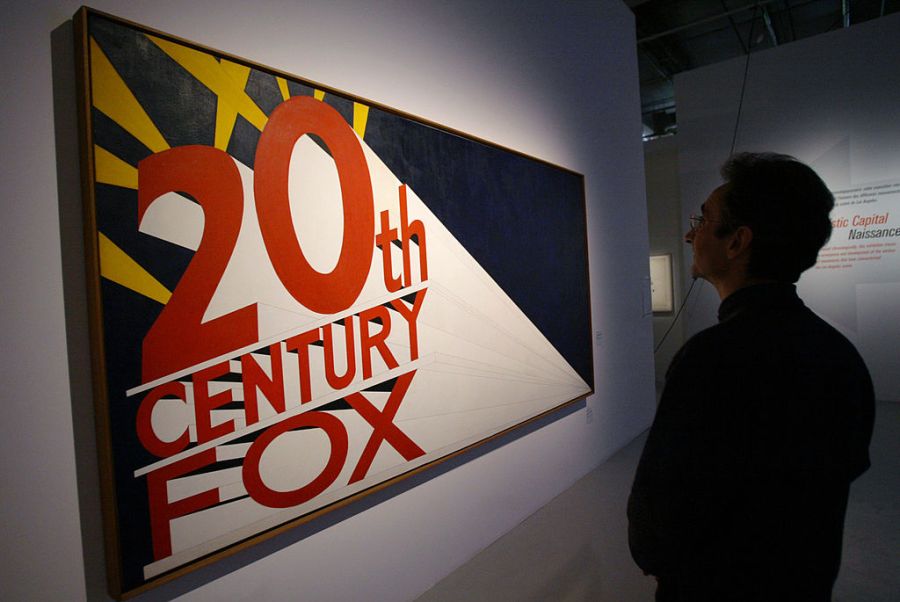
[300, 343]
[145, 433]
[411, 314]
[383, 240]
[334, 381]
[271, 498]
[256, 380]
[337, 290]
[378, 314]
[204, 403]
[162, 512]
[383, 427]
[179, 338]
[407, 232]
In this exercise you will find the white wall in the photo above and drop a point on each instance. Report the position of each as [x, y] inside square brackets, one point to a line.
[557, 81]
[831, 101]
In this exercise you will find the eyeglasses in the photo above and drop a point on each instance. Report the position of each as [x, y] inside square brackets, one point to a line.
[698, 220]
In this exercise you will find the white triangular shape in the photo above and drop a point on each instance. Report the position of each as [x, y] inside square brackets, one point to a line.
[481, 366]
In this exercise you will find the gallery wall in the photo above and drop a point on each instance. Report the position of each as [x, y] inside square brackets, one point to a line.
[555, 81]
[666, 234]
[831, 102]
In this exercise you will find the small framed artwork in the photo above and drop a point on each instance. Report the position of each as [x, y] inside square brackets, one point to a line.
[299, 296]
[661, 292]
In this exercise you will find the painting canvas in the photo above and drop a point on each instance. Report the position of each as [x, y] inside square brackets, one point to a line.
[299, 295]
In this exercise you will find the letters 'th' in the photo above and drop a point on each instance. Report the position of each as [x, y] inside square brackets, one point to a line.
[414, 232]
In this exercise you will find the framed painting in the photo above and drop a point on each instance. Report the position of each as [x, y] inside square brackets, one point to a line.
[298, 295]
[661, 292]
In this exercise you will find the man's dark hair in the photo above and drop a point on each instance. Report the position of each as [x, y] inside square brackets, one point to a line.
[786, 205]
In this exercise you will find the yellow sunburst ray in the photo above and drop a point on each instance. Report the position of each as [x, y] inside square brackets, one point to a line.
[226, 112]
[112, 170]
[360, 117]
[112, 97]
[116, 265]
[210, 73]
[282, 85]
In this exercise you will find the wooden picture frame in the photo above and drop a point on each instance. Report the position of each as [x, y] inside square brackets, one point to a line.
[299, 296]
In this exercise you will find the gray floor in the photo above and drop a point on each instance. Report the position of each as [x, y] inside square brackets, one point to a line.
[575, 548]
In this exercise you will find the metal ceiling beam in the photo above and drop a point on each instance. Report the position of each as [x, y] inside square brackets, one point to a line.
[654, 62]
[705, 20]
[768, 20]
[790, 17]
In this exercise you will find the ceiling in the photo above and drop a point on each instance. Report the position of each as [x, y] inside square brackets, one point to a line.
[680, 35]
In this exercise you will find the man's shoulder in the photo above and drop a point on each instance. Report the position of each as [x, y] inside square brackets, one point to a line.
[796, 329]
[709, 340]
[824, 336]
[702, 349]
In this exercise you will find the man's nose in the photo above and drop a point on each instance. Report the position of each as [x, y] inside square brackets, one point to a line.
[689, 236]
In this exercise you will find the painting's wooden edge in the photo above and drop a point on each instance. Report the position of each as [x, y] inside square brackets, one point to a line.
[110, 513]
[95, 309]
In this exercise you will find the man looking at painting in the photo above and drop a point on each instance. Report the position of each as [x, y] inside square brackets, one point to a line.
[766, 417]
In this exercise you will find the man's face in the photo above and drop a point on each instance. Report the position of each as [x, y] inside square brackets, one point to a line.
[710, 251]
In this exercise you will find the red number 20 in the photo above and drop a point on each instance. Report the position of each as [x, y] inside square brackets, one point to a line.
[179, 338]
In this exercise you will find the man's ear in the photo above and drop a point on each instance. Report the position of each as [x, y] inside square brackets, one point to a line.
[740, 242]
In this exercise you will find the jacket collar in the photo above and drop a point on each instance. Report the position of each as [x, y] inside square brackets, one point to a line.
[759, 297]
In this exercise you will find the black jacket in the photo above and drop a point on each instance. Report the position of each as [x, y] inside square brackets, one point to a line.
[741, 491]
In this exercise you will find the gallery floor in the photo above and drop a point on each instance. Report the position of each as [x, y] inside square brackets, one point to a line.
[575, 547]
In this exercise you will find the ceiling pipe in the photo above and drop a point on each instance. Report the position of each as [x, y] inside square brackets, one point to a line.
[845, 10]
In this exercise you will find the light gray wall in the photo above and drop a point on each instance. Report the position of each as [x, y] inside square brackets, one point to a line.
[666, 232]
[831, 101]
[557, 81]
